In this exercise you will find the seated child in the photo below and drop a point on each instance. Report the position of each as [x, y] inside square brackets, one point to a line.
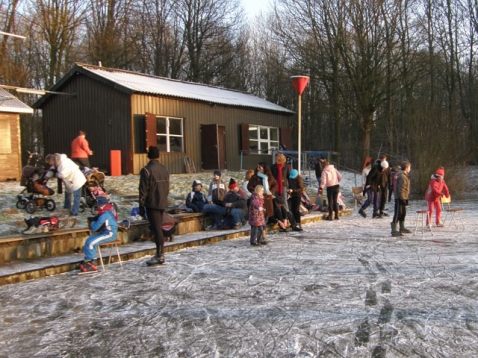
[97, 191]
[196, 198]
[105, 228]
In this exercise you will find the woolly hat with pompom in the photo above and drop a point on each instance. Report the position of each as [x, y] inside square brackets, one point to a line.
[232, 184]
[440, 172]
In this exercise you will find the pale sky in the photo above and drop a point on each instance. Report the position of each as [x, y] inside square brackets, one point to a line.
[254, 7]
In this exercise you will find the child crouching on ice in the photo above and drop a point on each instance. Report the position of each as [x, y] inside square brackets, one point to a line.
[256, 216]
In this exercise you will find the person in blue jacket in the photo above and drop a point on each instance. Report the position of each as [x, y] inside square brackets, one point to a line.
[196, 198]
[105, 228]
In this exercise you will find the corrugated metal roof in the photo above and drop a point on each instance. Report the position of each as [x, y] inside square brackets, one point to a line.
[141, 83]
[11, 104]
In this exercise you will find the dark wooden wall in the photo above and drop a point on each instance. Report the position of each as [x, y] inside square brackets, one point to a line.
[102, 111]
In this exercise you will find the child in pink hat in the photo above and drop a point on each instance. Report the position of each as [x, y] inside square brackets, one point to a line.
[436, 188]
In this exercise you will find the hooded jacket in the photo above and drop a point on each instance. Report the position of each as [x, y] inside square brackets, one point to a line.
[69, 172]
[330, 176]
[436, 189]
[196, 200]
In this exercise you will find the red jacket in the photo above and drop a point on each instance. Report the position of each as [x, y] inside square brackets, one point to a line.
[80, 148]
[436, 189]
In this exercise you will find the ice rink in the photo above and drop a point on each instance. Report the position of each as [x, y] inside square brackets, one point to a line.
[339, 289]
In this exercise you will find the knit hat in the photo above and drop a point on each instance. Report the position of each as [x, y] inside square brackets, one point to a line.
[153, 152]
[232, 184]
[293, 174]
[440, 172]
[196, 182]
[384, 164]
[217, 172]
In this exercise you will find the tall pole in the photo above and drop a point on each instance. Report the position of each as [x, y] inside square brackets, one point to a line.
[299, 83]
[299, 114]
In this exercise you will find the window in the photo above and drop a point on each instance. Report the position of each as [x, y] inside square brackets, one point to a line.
[169, 134]
[263, 140]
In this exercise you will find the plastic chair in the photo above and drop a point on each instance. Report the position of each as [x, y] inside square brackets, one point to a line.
[445, 202]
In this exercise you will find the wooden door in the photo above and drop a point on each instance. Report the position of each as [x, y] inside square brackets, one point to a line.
[213, 147]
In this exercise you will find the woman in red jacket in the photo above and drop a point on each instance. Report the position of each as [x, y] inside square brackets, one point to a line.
[436, 188]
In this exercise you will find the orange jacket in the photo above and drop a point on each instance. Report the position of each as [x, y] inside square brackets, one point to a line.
[80, 148]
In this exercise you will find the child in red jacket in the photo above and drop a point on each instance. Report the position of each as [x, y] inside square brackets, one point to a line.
[436, 188]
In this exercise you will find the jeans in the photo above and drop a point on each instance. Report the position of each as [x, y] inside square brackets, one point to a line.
[217, 211]
[257, 234]
[236, 218]
[93, 241]
[76, 201]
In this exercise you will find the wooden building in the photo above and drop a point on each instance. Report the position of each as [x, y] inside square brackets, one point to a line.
[128, 111]
[10, 143]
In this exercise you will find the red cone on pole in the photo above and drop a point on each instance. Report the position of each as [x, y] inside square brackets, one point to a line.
[299, 83]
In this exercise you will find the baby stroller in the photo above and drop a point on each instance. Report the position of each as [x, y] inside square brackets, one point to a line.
[33, 196]
[92, 189]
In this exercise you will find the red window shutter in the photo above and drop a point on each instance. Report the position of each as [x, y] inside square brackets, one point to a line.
[151, 130]
[286, 137]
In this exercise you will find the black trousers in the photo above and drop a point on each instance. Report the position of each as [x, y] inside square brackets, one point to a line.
[400, 212]
[155, 218]
[332, 196]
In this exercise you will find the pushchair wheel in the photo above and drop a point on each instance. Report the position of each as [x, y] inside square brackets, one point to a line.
[94, 209]
[22, 203]
[50, 205]
[82, 207]
[30, 207]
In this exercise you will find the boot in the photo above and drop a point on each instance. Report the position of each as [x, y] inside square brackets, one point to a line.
[403, 229]
[376, 215]
[395, 232]
[156, 260]
[362, 213]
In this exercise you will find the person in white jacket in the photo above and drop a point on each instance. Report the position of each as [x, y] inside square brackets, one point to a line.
[330, 179]
[71, 175]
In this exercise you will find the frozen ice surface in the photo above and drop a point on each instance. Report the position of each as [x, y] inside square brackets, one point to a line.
[339, 289]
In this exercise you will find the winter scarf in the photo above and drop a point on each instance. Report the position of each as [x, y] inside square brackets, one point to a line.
[265, 182]
[279, 177]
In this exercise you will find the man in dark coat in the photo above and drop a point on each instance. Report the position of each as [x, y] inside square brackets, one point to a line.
[153, 195]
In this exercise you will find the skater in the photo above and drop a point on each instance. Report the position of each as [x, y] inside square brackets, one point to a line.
[401, 193]
[372, 188]
[235, 203]
[436, 189]
[295, 189]
[385, 181]
[105, 228]
[365, 171]
[282, 217]
[264, 177]
[256, 217]
[330, 179]
[215, 197]
[153, 195]
[196, 198]
[248, 176]
[281, 171]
